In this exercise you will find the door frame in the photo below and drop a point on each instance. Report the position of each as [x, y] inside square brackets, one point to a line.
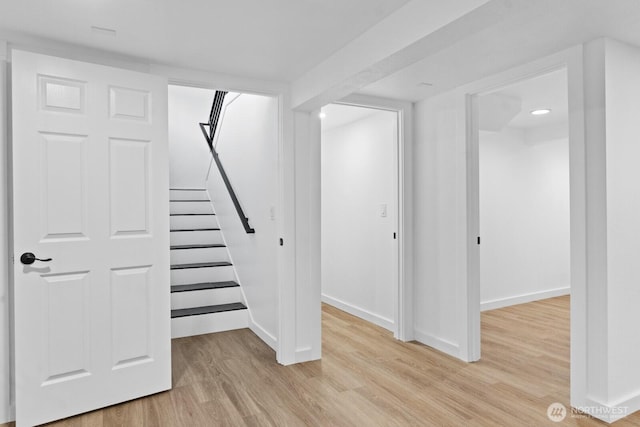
[571, 60]
[267, 337]
[403, 248]
[285, 345]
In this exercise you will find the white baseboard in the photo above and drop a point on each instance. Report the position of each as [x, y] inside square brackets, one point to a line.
[614, 411]
[360, 312]
[523, 299]
[440, 344]
[262, 333]
[306, 354]
[7, 416]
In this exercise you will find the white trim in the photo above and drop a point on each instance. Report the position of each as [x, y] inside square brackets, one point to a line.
[608, 412]
[403, 249]
[7, 409]
[439, 344]
[286, 228]
[302, 355]
[524, 298]
[367, 315]
[262, 333]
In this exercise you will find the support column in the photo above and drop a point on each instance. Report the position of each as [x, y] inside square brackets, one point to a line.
[612, 129]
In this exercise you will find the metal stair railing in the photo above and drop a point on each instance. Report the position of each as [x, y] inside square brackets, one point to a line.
[214, 117]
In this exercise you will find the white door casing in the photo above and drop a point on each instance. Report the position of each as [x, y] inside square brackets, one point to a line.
[90, 191]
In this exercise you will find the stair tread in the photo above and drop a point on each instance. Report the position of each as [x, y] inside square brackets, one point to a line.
[199, 246]
[203, 286]
[196, 229]
[201, 265]
[209, 309]
[191, 214]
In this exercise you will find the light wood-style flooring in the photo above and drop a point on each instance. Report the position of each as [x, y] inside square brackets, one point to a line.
[366, 378]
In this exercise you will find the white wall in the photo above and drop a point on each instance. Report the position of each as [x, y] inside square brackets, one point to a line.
[357, 246]
[308, 308]
[188, 150]
[622, 98]
[248, 149]
[524, 218]
[440, 266]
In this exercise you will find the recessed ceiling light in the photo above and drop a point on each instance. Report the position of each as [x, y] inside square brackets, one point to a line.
[104, 31]
[322, 115]
[540, 112]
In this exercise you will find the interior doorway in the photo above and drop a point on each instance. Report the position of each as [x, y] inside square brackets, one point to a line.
[359, 214]
[224, 210]
[524, 194]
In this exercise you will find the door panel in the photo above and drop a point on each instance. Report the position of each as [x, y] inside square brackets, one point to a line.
[63, 185]
[66, 355]
[130, 313]
[90, 191]
[129, 192]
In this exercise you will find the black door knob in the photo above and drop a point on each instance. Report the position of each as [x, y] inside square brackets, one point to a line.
[28, 258]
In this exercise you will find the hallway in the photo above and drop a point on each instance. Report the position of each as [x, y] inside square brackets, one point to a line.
[366, 379]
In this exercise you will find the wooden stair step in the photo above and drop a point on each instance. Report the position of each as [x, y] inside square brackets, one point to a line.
[201, 265]
[203, 286]
[194, 229]
[198, 246]
[192, 214]
[209, 309]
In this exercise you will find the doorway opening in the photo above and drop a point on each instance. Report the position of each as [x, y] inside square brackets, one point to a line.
[524, 207]
[360, 211]
[224, 203]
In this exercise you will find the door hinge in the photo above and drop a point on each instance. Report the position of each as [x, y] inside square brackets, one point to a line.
[394, 236]
[478, 239]
[281, 241]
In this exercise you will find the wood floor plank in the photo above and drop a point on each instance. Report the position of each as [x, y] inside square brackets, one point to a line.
[367, 378]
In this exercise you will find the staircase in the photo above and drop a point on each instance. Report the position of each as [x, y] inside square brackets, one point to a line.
[205, 294]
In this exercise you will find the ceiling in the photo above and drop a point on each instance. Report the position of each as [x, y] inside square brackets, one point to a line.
[528, 29]
[280, 40]
[272, 40]
[336, 115]
[549, 91]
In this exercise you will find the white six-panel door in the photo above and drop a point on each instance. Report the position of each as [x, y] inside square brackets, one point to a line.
[90, 191]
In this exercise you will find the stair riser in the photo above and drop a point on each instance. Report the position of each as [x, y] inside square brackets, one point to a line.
[209, 323]
[196, 237]
[199, 275]
[190, 207]
[190, 256]
[188, 195]
[205, 297]
[197, 221]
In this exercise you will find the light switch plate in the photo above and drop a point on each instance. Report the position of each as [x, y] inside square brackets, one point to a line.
[383, 210]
